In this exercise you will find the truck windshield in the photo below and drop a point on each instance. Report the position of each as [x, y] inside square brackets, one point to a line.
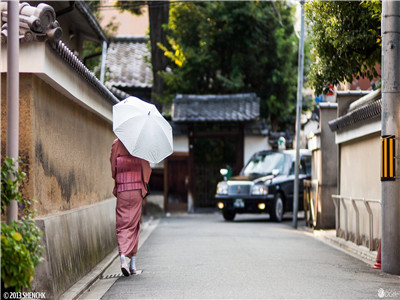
[264, 163]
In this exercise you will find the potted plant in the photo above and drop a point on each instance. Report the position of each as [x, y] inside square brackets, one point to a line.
[21, 249]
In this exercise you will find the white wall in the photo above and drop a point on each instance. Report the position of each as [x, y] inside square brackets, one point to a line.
[181, 143]
[360, 178]
[253, 144]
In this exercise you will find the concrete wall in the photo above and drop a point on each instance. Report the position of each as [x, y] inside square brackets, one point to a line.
[360, 178]
[329, 169]
[75, 242]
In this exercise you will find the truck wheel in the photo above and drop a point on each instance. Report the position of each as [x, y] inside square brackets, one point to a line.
[228, 215]
[277, 209]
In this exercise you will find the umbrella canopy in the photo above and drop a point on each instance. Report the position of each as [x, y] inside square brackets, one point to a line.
[142, 129]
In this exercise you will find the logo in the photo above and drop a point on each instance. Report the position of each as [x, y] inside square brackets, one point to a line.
[388, 293]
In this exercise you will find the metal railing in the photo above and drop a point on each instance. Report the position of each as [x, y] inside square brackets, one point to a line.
[311, 201]
[337, 199]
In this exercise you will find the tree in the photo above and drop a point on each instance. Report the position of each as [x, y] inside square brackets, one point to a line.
[235, 47]
[91, 50]
[346, 41]
[158, 15]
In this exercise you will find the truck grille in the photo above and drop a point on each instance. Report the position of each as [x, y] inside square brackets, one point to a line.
[239, 189]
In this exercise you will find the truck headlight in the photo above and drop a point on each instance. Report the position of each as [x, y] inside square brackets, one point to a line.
[222, 188]
[259, 189]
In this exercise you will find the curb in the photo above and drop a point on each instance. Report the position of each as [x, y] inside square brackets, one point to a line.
[329, 237]
[97, 272]
[82, 285]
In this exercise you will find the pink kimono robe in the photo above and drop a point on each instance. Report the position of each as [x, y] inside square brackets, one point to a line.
[131, 174]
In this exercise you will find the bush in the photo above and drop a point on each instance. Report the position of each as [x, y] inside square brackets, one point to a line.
[21, 250]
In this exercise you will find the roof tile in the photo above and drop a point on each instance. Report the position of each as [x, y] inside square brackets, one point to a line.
[127, 63]
[201, 108]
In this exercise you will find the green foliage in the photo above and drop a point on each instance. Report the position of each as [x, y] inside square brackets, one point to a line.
[10, 181]
[91, 47]
[346, 41]
[21, 249]
[17, 269]
[135, 7]
[221, 47]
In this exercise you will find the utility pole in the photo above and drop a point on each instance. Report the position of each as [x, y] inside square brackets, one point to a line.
[391, 128]
[12, 93]
[298, 117]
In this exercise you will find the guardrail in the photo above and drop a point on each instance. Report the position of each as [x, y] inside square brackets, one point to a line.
[337, 199]
[311, 202]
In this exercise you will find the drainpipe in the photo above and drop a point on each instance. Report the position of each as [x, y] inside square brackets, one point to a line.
[391, 127]
[103, 62]
[298, 117]
[13, 93]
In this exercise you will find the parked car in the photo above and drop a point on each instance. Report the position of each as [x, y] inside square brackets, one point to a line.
[265, 185]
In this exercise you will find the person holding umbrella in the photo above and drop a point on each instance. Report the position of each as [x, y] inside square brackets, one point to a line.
[144, 136]
[131, 175]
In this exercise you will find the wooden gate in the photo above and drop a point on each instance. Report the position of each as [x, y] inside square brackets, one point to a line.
[176, 182]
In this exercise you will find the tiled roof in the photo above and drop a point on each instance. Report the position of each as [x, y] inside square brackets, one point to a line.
[367, 112]
[366, 108]
[38, 23]
[200, 108]
[83, 71]
[128, 63]
[35, 23]
[117, 92]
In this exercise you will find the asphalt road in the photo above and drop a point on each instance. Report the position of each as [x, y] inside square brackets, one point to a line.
[203, 256]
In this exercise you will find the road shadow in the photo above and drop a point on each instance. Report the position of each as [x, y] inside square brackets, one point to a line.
[262, 218]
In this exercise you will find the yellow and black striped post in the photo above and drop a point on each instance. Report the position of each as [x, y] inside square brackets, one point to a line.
[388, 152]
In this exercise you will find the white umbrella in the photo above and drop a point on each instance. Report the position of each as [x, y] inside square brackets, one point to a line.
[142, 129]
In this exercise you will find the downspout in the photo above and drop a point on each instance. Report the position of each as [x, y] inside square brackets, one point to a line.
[13, 94]
[103, 62]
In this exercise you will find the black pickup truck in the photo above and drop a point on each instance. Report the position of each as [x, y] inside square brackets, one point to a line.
[265, 185]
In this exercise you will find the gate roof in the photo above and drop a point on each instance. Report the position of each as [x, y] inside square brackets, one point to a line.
[216, 108]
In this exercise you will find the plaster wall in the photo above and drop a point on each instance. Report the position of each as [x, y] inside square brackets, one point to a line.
[360, 178]
[65, 147]
[25, 140]
[253, 144]
[181, 143]
[71, 152]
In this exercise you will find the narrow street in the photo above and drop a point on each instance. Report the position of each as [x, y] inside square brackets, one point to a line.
[202, 256]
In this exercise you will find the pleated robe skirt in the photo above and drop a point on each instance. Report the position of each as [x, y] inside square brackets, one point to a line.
[128, 212]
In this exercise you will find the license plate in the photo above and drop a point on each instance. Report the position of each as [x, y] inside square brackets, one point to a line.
[238, 203]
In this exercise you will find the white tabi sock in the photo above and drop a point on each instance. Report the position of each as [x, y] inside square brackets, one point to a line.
[133, 263]
[123, 260]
